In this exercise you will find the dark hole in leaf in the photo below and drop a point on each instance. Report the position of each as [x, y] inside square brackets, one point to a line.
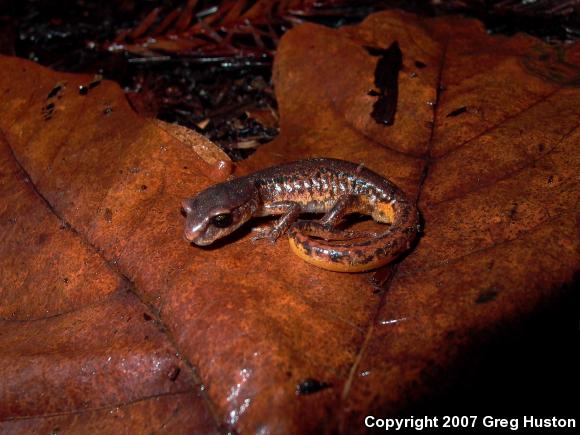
[457, 111]
[174, 373]
[54, 91]
[486, 296]
[387, 81]
[310, 386]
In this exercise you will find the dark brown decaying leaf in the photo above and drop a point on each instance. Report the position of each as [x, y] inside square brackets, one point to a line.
[76, 340]
[496, 184]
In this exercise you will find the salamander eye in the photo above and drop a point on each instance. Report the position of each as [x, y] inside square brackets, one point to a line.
[223, 220]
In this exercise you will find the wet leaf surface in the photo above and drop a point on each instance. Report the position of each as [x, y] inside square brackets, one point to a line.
[107, 312]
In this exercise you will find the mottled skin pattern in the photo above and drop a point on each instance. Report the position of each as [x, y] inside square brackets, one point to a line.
[322, 185]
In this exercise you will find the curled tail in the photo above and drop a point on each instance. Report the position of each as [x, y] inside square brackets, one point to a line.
[345, 251]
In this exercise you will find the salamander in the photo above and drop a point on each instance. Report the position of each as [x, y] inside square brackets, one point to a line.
[321, 185]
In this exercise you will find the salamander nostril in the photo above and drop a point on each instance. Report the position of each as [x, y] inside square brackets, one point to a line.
[189, 235]
[183, 212]
[186, 206]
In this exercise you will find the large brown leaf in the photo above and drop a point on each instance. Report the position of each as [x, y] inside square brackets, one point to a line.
[106, 309]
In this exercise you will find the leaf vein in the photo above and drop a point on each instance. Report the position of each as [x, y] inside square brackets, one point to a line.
[500, 123]
[368, 335]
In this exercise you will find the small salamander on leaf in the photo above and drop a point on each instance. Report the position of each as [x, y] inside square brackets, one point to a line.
[321, 185]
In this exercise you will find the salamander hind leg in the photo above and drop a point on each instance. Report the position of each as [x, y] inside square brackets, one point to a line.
[341, 207]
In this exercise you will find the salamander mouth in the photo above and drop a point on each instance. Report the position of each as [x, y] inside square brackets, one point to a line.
[196, 233]
[197, 239]
[202, 242]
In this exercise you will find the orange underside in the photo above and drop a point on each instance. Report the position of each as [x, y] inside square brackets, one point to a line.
[388, 211]
[334, 266]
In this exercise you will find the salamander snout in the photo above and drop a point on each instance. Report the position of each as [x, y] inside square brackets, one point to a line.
[204, 223]
[218, 210]
[196, 223]
[192, 234]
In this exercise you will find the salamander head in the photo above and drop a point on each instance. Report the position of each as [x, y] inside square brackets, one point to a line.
[219, 210]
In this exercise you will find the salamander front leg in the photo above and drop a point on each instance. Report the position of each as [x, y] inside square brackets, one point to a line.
[290, 212]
